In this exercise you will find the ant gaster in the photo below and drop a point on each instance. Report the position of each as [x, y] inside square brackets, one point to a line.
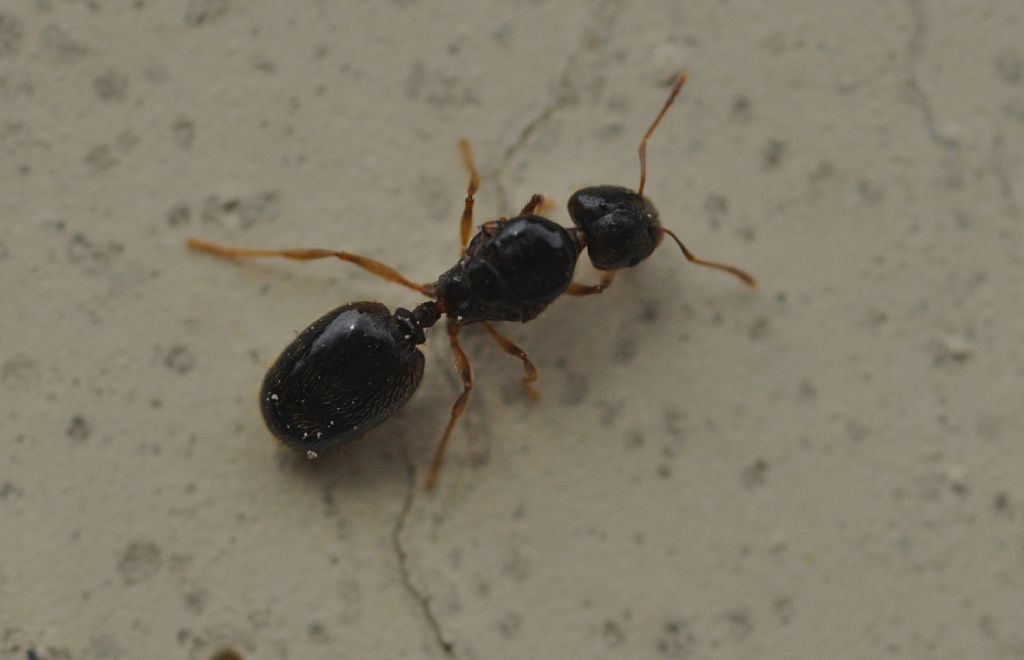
[356, 365]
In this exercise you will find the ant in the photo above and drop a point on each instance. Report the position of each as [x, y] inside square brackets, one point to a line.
[359, 363]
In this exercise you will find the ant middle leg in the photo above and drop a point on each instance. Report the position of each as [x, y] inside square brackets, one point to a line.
[466, 374]
[307, 254]
[474, 185]
[577, 289]
[514, 350]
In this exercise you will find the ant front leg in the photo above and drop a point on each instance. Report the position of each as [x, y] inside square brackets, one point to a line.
[512, 349]
[577, 289]
[537, 205]
[307, 254]
[474, 185]
[466, 374]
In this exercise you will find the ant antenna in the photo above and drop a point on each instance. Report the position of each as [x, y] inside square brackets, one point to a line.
[747, 279]
[678, 85]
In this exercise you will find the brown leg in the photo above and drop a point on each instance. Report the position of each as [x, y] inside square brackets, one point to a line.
[678, 85]
[576, 289]
[466, 373]
[536, 202]
[747, 279]
[546, 204]
[512, 349]
[474, 184]
[375, 267]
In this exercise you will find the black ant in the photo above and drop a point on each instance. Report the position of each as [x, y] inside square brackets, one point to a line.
[356, 365]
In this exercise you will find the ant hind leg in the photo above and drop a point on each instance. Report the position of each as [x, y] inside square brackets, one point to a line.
[307, 254]
[466, 373]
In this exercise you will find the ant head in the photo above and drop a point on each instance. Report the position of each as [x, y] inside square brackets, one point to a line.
[621, 226]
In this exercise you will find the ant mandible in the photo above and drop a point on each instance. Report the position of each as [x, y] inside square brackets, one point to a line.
[356, 365]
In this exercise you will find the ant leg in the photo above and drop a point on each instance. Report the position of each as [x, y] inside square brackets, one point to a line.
[747, 279]
[576, 289]
[512, 349]
[377, 268]
[546, 204]
[536, 202]
[678, 85]
[466, 373]
[474, 184]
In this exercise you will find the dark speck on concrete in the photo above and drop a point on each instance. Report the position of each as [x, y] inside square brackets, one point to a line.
[141, 560]
[11, 34]
[759, 328]
[612, 633]
[249, 210]
[783, 608]
[755, 474]
[111, 85]
[100, 158]
[806, 390]
[856, 430]
[59, 46]
[317, 633]
[575, 388]
[773, 154]
[1010, 67]
[1001, 504]
[677, 640]
[740, 623]
[178, 215]
[79, 429]
[716, 207]
[199, 12]
[609, 411]
[180, 359]
[510, 625]
[196, 600]
[92, 255]
[9, 491]
[741, 110]
[184, 132]
[18, 368]
[634, 440]
[625, 348]
[649, 311]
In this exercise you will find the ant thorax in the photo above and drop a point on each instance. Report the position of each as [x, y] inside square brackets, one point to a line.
[511, 271]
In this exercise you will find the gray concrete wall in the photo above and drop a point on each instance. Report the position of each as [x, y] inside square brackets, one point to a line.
[831, 466]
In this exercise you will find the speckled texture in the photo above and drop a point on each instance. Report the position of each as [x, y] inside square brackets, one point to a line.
[829, 467]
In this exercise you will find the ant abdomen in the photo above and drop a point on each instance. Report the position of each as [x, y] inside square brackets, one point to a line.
[344, 374]
[620, 226]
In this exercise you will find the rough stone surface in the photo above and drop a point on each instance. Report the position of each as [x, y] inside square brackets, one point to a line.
[831, 466]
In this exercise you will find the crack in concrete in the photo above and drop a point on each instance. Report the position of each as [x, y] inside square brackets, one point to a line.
[918, 96]
[596, 32]
[420, 596]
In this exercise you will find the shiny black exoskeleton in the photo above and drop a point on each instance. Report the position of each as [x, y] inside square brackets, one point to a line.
[620, 225]
[344, 374]
[355, 366]
[511, 271]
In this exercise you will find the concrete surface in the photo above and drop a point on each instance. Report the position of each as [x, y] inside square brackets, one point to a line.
[829, 467]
